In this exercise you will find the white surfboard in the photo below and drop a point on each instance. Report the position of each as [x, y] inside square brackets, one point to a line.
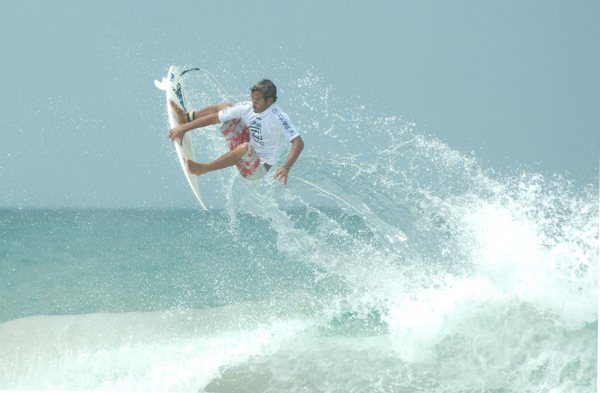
[172, 86]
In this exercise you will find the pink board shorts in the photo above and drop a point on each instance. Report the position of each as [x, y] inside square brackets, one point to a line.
[236, 133]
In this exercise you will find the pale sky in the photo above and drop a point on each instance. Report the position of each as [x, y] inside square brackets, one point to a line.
[515, 82]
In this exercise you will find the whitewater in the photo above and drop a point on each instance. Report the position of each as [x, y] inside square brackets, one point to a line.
[391, 263]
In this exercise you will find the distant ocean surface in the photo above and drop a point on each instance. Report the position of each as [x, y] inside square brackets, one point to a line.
[401, 265]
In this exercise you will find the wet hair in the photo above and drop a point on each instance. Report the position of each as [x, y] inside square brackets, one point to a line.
[267, 88]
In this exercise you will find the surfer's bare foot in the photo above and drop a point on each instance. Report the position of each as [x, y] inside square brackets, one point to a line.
[179, 112]
[195, 167]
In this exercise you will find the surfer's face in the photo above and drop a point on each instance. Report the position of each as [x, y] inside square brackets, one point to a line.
[259, 104]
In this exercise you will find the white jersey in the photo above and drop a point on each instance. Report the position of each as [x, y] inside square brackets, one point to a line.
[270, 131]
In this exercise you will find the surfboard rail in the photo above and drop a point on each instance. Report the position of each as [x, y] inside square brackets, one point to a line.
[171, 85]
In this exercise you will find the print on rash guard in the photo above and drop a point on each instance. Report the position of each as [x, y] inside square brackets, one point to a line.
[270, 131]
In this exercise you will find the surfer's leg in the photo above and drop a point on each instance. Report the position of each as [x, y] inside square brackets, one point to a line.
[179, 112]
[226, 160]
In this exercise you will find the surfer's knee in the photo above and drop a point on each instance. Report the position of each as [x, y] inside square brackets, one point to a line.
[240, 150]
[243, 148]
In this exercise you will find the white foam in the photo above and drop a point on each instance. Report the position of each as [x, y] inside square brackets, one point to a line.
[511, 250]
[161, 351]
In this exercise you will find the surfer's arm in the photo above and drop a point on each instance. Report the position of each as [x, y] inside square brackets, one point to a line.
[201, 119]
[196, 119]
[282, 172]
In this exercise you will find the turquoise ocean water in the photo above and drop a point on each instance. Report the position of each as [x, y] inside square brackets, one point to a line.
[397, 265]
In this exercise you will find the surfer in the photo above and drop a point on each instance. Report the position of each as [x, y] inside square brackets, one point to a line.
[254, 145]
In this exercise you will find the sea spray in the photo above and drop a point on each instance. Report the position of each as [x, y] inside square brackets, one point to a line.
[391, 262]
